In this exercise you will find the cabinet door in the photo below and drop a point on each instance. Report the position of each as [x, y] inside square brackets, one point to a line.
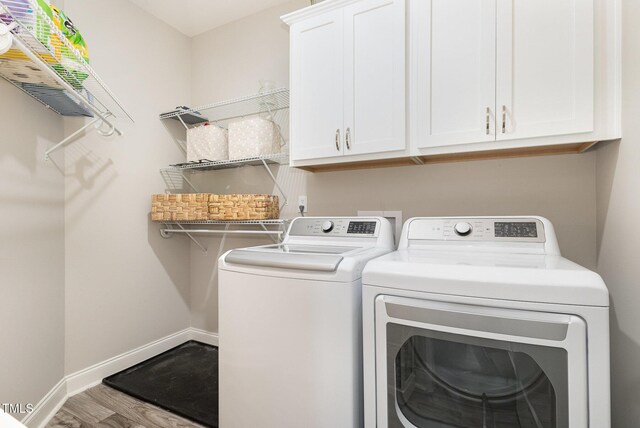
[545, 67]
[453, 71]
[317, 87]
[374, 78]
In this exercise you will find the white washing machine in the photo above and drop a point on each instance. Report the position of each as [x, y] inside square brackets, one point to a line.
[291, 325]
[479, 322]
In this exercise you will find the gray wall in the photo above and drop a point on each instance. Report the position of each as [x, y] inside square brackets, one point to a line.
[561, 188]
[125, 285]
[85, 274]
[618, 182]
[31, 250]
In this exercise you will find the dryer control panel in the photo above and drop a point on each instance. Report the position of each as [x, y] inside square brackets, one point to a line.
[337, 227]
[481, 229]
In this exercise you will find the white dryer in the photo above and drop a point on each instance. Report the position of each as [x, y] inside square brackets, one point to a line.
[291, 325]
[480, 322]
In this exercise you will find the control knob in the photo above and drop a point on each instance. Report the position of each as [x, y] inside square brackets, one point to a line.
[327, 226]
[463, 228]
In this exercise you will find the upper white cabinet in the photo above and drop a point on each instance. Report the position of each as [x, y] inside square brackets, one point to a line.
[348, 80]
[545, 68]
[454, 71]
[317, 74]
[485, 78]
[490, 70]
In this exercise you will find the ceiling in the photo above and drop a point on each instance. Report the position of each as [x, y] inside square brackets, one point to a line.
[193, 17]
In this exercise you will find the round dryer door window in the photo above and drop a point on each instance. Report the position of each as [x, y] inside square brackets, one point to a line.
[443, 380]
[475, 372]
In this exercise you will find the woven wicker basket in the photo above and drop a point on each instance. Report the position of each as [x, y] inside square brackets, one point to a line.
[243, 207]
[181, 207]
[205, 206]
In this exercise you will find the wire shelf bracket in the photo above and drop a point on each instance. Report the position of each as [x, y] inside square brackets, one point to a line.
[285, 201]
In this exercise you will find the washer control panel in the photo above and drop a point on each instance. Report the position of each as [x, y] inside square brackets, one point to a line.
[478, 229]
[341, 227]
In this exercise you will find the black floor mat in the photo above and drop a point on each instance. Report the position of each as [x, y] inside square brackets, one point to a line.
[183, 380]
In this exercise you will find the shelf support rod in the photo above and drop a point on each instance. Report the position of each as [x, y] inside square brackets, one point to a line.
[182, 121]
[184, 177]
[269, 109]
[188, 233]
[224, 232]
[70, 137]
[275, 181]
[268, 232]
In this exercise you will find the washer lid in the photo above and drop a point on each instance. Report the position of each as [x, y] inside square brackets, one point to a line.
[516, 277]
[286, 260]
[306, 249]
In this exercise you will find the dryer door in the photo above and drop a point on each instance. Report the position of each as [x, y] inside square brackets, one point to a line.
[441, 365]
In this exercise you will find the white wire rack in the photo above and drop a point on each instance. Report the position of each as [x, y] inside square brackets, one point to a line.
[279, 158]
[273, 103]
[38, 59]
[265, 102]
[175, 176]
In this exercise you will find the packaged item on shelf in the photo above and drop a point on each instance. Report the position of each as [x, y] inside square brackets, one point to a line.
[187, 115]
[22, 11]
[17, 67]
[243, 207]
[207, 142]
[180, 207]
[70, 63]
[5, 18]
[253, 137]
[57, 99]
[42, 27]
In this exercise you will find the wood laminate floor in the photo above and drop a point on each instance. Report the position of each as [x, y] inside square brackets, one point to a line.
[104, 407]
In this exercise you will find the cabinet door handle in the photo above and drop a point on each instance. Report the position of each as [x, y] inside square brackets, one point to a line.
[488, 125]
[338, 139]
[504, 119]
[348, 138]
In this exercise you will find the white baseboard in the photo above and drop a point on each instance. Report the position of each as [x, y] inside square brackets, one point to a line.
[204, 336]
[91, 376]
[48, 406]
[84, 379]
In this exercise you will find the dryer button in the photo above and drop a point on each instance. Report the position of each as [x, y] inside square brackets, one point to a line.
[463, 228]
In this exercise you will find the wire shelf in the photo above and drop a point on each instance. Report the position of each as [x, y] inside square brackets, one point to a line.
[279, 158]
[264, 102]
[44, 64]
